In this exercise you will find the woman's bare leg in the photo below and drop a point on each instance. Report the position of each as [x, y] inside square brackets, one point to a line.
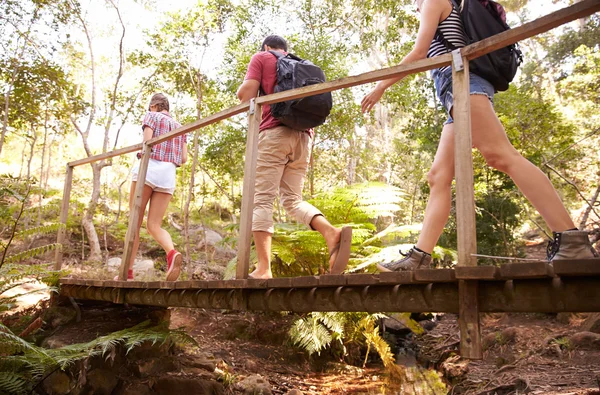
[490, 138]
[440, 178]
[158, 207]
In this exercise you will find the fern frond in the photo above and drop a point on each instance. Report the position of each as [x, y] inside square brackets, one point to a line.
[310, 334]
[13, 383]
[23, 255]
[39, 230]
[12, 344]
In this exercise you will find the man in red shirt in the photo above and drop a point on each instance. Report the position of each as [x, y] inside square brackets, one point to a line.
[283, 157]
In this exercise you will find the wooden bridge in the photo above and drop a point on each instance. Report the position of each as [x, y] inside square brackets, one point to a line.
[564, 286]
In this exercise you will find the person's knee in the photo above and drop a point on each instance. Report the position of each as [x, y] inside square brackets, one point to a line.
[440, 177]
[290, 202]
[153, 227]
[499, 159]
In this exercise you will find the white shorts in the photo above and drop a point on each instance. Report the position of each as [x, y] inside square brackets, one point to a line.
[160, 175]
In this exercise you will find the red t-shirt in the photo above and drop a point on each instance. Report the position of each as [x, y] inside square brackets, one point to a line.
[263, 68]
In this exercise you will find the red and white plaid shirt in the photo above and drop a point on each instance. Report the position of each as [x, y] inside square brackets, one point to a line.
[170, 150]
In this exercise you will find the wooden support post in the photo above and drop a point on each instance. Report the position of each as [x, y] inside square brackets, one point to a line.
[134, 214]
[64, 214]
[243, 263]
[468, 314]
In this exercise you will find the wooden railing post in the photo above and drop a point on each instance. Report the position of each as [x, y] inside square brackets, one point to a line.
[134, 213]
[243, 262]
[64, 215]
[468, 315]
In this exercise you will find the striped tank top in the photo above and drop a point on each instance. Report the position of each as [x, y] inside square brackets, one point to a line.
[453, 31]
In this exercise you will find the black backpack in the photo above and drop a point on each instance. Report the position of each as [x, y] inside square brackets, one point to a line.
[482, 19]
[306, 112]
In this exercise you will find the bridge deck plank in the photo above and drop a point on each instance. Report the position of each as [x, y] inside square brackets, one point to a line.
[579, 267]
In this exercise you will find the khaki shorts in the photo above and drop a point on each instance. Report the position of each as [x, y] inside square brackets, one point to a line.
[283, 156]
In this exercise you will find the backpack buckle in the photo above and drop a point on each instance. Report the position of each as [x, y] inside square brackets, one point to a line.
[457, 61]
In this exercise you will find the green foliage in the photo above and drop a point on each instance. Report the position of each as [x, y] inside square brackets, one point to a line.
[23, 364]
[317, 331]
[15, 275]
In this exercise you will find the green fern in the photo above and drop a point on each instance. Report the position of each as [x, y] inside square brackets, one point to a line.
[23, 364]
[39, 230]
[13, 383]
[33, 252]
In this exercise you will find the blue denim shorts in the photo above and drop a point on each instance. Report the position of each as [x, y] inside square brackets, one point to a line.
[443, 87]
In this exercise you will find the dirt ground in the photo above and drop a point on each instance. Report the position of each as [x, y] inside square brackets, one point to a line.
[520, 356]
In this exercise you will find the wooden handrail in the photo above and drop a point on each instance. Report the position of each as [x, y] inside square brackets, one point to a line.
[106, 155]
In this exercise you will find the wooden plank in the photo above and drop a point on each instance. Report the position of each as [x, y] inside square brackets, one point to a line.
[332, 280]
[280, 282]
[568, 14]
[346, 82]
[134, 214]
[477, 272]
[64, 215]
[576, 267]
[136, 284]
[206, 121]
[245, 237]
[218, 284]
[184, 284]
[405, 277]
[434, 275]
[305, 281]
[526, 270]
[106, 155]
[256, 283]
[362, 279]
[465, 196]
[468, 312]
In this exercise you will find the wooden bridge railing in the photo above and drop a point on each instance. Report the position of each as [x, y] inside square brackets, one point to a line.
[465, 210]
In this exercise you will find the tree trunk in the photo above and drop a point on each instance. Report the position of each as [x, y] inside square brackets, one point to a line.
[88, 219]
[39, 219]
[588, 209]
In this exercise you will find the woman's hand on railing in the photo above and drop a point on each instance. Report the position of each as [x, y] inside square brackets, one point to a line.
[370, 99]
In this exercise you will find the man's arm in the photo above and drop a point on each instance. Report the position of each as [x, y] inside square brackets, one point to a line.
[248, 90]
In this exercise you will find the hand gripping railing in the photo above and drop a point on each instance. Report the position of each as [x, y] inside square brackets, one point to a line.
[465, 210]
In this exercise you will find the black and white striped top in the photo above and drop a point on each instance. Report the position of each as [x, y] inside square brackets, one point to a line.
[453, 31]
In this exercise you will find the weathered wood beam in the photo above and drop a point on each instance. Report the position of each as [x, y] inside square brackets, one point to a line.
[106, 155]
[245, 237]
[134, 214]
[544, 295]
[190, 127]
[64, 215]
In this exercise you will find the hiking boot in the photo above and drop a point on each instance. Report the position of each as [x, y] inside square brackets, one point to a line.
[412, 260]
[570, 244]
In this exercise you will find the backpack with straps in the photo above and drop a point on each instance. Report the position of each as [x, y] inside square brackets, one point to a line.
[482, 19]
[306, 112]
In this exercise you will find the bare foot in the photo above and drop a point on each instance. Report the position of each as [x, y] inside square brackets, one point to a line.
[256, 275]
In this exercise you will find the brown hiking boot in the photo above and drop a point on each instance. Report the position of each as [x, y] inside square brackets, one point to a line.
[412, 260]
[570, 244]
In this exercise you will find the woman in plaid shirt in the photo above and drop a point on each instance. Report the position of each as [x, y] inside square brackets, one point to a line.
[160, 181]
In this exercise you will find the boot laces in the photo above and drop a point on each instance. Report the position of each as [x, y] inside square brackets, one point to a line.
[553, 246]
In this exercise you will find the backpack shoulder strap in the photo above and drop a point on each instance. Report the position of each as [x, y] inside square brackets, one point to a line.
[438, 33]
[277, 54]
